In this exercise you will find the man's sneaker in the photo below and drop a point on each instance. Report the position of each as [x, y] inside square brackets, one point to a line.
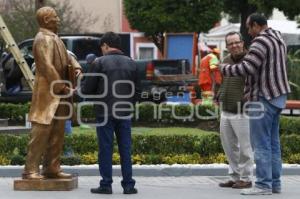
[102, 190]
[242, 184]
[276, 190]
[227, 184]
[256, 191]
[130, 191]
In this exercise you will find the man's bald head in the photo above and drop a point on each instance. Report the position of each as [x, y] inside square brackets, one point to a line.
[46, 16]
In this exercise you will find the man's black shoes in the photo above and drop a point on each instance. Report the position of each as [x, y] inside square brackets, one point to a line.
[130, 191]
[102, 190]
[108, 190]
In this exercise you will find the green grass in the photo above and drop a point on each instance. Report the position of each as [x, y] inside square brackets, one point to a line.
[168, 131]
[151, 131]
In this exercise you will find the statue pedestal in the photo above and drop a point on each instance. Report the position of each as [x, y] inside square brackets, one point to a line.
[46, 185]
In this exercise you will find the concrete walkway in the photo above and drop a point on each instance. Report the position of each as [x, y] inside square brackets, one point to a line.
[184, 187]
[151, 170]
[153, 182]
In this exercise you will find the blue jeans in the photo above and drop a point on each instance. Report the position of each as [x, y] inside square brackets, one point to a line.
[105, 135]
[264, 136]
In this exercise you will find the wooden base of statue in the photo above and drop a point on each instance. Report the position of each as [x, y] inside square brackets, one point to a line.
[46, 185]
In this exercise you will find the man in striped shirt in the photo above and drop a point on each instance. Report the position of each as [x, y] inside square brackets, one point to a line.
[264, 67]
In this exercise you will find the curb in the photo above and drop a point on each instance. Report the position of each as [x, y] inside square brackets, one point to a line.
[150, 170]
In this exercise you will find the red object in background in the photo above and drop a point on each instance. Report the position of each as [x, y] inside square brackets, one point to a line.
[195, 53]
[150, 71]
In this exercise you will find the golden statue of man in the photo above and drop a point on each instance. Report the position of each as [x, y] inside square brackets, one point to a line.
[47, 107]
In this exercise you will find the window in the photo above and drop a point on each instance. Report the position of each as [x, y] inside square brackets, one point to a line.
[83, 47]
[146, 51]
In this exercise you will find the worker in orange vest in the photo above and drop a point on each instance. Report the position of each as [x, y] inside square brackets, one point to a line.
[209, 77]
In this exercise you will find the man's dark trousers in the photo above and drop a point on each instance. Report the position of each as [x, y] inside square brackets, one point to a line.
[105, 135]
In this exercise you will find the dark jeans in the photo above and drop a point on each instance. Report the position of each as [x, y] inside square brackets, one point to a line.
[105, 135]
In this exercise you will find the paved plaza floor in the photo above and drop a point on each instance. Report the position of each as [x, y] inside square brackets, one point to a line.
[184, 187]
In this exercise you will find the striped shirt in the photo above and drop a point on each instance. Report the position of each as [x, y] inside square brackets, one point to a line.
[264, 66]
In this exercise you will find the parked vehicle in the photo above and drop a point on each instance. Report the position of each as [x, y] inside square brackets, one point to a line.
[162, 79]
[14, 88]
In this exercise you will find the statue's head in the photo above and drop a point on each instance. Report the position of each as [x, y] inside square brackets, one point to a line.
[48, 19]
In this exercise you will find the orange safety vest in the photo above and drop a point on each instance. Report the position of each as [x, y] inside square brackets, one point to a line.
[209, 68]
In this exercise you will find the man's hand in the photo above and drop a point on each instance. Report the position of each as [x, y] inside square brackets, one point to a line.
[69, 91]
[72, 91]
[78, 72]
[221, 66]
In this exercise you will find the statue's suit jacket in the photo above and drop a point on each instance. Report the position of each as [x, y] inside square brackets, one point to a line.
[51, 59]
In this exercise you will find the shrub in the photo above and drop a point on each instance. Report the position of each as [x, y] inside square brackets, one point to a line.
[181, 159]
[88, 112]
[89, 158]
[81, 144]
[15, 112]
[146, 149]
[290, 144]
[174, 114]
[17, 160]
[138, 159]
[4, 160]
[293, 74]
[175, 144]
[293, 159]
[116, 158]
[217, 158]
[71, 160]
[152, 158]
[290, 125]
[208, 144]
[9, 143]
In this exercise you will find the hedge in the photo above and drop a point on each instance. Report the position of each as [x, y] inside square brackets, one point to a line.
[194, 158]
[288, 125]
[205, 145]
[14, 112]
[145, 150]
[144, 112]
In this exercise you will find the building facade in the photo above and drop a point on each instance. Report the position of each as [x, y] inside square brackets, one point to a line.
[110, 16]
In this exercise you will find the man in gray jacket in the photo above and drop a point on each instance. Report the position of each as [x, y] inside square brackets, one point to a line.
[234, 126]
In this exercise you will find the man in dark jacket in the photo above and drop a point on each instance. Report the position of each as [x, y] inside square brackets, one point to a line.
[112, 80]
[234, 126]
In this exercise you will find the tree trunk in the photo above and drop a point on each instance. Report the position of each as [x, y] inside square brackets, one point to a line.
[39, 4]
[246, 10]
[158, 40]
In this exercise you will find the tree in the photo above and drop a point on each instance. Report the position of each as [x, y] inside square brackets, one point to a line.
[158, 16]
[290, 8]
[39, 4]
[244, 8]
[73, 21]
[108, 23]
[21, 20]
